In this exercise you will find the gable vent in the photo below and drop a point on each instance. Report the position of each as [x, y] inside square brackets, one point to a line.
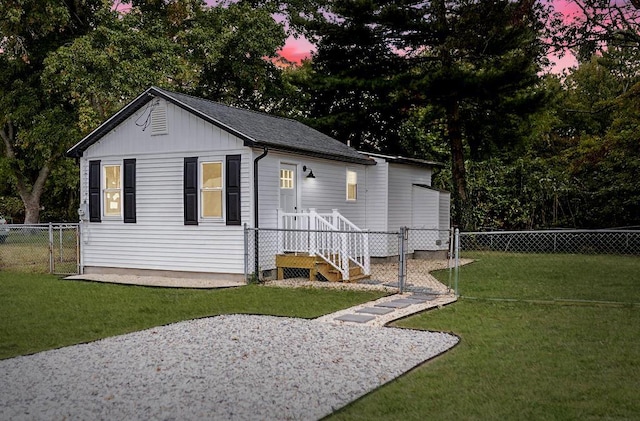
[159, 119]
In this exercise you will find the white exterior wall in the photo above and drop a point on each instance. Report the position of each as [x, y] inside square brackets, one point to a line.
[325, 192]
[444, 216]
[159, 240]
[425, 207]
[401, 181]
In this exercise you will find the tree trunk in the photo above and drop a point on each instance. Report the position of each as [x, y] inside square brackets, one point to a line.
[458, 171]
[29, 193]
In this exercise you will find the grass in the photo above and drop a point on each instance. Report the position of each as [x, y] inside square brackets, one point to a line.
[549, 277]
[526, 360]
[41, 312]
[28, 251]
[535, 358]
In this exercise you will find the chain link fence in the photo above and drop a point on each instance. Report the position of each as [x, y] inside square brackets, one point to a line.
[541, 265]
[40, 248]
[622, 242]
[300, 255]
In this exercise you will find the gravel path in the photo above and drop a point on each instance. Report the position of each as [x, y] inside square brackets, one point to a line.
[232, 367]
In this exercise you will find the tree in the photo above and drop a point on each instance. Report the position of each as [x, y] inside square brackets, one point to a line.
[66, 66]
[601, 122]
[350, 83]
[601, 23]
[472, 64]
[34, 126]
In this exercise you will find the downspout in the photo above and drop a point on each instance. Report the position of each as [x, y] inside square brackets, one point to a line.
[255, 209]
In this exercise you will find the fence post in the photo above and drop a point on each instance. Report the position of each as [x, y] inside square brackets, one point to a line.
[61, 252]
[402, 264]
[457, 260]
[50, 247]
[451, 254]
[246, 253]
[78, 251]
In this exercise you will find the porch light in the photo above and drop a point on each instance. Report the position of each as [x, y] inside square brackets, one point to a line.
[310, 175]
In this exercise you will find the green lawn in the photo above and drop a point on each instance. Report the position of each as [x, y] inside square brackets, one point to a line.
[40, 312]
[566, 349]
[527, 360]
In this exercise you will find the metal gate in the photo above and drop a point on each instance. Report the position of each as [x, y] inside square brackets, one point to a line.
[46, 248]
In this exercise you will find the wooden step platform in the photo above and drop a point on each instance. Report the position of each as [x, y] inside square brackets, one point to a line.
[316, 266]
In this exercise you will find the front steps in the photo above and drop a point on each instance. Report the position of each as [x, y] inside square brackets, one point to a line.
[316, 266]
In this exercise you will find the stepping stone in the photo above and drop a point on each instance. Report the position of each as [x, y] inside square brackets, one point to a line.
[395, 304]
[424, 297]
[375, 310]
[417, 300]
[409, 301]
[356, 318]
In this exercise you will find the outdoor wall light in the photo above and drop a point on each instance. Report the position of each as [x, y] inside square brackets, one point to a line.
[310, 175]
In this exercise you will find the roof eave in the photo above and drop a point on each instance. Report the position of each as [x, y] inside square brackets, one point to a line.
[363, 161]
[407, 161]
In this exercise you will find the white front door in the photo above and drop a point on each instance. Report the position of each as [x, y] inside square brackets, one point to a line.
[288, 188]
[292, 241]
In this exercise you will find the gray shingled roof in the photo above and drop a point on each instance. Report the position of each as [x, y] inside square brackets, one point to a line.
[256, 129]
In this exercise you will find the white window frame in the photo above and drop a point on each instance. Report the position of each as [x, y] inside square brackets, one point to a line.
[204, 189]
[106, 190]
[355, 191]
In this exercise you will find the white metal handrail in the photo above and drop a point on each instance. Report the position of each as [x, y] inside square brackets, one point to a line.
[331, 236]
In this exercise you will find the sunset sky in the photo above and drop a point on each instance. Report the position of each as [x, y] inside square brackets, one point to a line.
[297, 49]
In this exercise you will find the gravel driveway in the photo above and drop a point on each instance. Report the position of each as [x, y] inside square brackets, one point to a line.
[232, 367]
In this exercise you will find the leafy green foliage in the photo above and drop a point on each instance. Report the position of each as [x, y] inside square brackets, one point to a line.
[65, 67]
[411, 77]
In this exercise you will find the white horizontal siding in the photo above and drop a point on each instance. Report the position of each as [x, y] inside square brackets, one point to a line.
[159, 239]
[425, 208]
[377, 195]
[325, 192]
[401, 180]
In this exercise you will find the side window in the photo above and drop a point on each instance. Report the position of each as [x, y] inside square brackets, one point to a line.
[352, 185]
[112, 191]
[211, 189]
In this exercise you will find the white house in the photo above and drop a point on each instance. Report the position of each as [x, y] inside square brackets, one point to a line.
[169, 181]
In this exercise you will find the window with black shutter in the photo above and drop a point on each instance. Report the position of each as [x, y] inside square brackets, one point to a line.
[94, 191]
[130, 190]
[191, 191]
[232, 190]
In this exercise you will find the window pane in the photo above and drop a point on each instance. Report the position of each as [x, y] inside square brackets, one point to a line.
[352, 185]
[212, 203]
[112, 176]
[352, 191]
[212, 175]
[286, 179]
[112, 192]
[352, 177]
[112, 203]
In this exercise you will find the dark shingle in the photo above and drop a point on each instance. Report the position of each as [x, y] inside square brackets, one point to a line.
[270, 130]
[255, 128]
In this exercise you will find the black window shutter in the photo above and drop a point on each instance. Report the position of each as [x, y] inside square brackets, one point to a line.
[191, 191]
[94, 191]
[130, 190]
[232, 190]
